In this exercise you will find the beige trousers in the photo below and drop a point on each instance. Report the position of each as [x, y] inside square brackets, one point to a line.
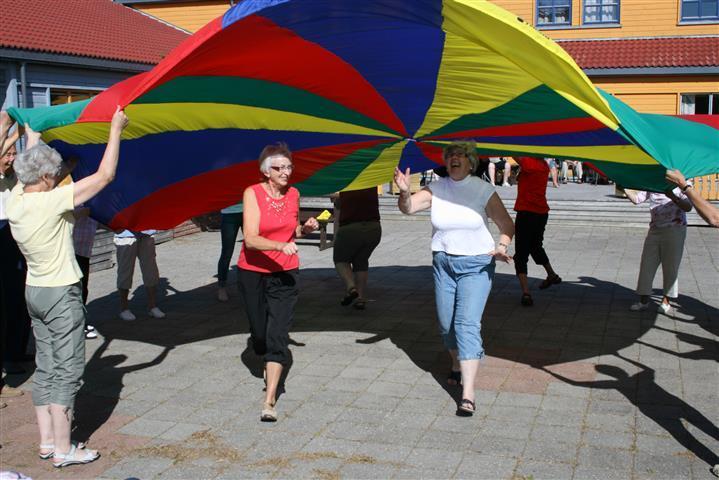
[663, 246]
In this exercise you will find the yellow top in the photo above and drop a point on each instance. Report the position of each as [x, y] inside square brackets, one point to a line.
[42, 224]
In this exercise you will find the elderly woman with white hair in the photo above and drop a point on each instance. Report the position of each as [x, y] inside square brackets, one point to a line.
[269, 264]
[463, 256]
[41, 218]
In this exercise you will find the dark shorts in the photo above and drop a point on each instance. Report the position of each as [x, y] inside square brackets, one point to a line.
[355, 242]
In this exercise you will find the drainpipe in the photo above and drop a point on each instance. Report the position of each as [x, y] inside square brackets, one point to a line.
[23, 84]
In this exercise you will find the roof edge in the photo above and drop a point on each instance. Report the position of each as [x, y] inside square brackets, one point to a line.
[74, 60]
[594, 72]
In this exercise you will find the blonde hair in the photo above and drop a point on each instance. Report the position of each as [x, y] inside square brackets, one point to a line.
[468, 147]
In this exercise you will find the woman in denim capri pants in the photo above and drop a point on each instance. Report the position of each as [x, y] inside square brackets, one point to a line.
[41, 218]
[463, 253]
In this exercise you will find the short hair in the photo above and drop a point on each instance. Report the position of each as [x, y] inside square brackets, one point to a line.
[36, 162]
[279, 148]
[468, 147]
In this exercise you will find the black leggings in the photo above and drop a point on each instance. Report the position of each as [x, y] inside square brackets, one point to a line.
[270, 300]
[229, 228]
[529, 236]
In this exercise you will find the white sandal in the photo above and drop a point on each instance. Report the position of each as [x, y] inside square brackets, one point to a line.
[75, 456]
[47, 456]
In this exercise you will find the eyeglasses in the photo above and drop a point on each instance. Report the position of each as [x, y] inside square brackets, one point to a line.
[283, 168]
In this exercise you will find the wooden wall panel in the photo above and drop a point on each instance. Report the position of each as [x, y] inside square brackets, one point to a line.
[190, 16]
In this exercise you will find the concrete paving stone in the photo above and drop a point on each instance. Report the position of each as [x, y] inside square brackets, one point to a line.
[615, 408]
[559, 417]
[459, 424]
[351, 386]
[596, 473]
[169, 413]
[247, 472]
[390, 389]
[570, 434]
[661, 466]
[511, 414]
[146, 428]
[485, 467]
[601, 457]
[403, 418]
[519, 399]
[362, 471]
[152, 394]
[657, 445]
[657, 427]
[212, 417]
[362, 416]
[564, 404]
[428, 392]
[350, 430]
[503, 447]
[601, 438]
[323, 445]
[389, 434]
[609, 422]
[443, 459]
[194, 472]
[135, 408]
[403, 376]
[378, 453]
[419, 474]
[138, 467]
[320, 369]
[435, 438]
[543, 470]
[499, 428]
[300, 467]
[180, 431]
[551, 451]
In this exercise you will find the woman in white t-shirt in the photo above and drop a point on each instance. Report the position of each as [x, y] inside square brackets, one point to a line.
[463, 256]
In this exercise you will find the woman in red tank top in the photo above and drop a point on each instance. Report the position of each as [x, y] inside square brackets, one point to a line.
[268, 264]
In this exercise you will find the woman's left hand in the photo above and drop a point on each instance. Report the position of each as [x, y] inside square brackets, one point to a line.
[500, 253]
[310, 225]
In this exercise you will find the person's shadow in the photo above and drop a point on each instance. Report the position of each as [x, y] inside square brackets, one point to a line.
[94, 406]
[642, 386]
[708, 349]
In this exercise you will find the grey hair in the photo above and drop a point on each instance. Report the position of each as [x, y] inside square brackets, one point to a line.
[270, 151]
[36, 162]
[469, 148]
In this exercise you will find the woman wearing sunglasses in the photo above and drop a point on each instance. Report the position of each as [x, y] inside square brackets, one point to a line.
[269, 264]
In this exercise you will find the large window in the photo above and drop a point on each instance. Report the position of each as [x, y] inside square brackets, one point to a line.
[58, 96]
[695, 10]
[554, 12]
[601, 11]
[700, 104]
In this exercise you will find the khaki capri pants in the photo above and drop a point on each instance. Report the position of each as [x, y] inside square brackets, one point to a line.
[662, 246]
[143, 249]
[58, 322]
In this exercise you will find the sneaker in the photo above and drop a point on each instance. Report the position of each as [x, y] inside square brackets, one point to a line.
[127, 315]
[715, 470]
[10, 392]
[90, 332]
[639, 306]
[222, 294]
[665, 308]
[156, 313]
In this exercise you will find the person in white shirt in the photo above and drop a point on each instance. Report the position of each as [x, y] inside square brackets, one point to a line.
[464, 255]
[663, 245]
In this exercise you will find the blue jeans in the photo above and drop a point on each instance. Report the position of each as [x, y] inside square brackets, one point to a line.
[229, 228]
[461, 288]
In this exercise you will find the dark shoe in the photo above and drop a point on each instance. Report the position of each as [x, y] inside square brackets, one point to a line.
[12, 368]
[350, 297]
[527, 300]
[454, 378]
[549, 281]
[467, 407]
[360, 304]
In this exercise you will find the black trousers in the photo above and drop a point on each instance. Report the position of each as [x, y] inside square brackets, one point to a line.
[529, 237]
[15, 323]
[270, 300]
[84, 264]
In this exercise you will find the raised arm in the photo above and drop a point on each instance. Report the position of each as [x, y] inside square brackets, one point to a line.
[407, 203]
[635, 196]
[7, 140]
[500, 216]
[706, 210]
[680, 202]
[251, 228]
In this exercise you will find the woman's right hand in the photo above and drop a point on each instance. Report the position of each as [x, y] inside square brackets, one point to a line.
[289, 248]
[119, 120]
[401, 179]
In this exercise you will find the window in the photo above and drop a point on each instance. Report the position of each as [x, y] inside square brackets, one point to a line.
[700, 104]
[601, 11]
[59, 96]
[554, 12]
[693, 10]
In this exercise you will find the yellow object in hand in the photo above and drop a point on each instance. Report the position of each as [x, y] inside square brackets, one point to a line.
[324, 216]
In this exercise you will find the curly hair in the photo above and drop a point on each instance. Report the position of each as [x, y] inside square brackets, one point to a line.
[36, 162]
[468, 147]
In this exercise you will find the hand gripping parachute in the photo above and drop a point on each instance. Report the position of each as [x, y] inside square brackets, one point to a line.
[355, 88]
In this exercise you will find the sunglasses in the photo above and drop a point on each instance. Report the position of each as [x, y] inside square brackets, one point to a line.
[283, 168]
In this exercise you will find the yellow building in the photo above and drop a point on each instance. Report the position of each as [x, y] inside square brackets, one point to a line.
[659, 56]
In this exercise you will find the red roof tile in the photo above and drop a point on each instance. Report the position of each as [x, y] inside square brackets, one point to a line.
[646, 52]
[89, 28]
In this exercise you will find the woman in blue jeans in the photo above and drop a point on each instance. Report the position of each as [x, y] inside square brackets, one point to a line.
[229, 228]
[463, 256]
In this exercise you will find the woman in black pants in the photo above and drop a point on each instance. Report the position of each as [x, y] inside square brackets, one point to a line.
[532, 214]
[229, 228]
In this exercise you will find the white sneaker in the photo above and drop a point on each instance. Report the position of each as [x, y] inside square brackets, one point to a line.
[639, 306]
[90, 332]
[665, 308]
[127, 315]
[156, 313]
[222, 294]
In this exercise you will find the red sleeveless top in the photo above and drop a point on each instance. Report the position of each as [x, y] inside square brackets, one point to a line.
[278, 222]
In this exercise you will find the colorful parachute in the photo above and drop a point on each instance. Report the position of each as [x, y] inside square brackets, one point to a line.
[354, 88]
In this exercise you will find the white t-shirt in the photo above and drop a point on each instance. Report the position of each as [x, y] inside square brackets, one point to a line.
[459, 216]
[42, 224]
